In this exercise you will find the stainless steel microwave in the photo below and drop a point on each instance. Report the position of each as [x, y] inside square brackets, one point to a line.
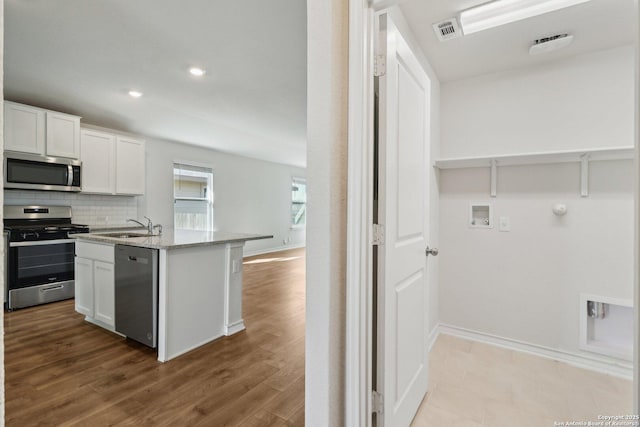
[34, 172]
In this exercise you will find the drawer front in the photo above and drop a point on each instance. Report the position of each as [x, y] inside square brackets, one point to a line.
[96, 251]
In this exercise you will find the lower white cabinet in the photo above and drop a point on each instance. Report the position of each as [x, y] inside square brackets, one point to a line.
[103, 292]
[84, 286]
[95, 282]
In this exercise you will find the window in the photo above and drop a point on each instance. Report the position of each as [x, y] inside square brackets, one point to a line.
[193, 197]
[298, 202]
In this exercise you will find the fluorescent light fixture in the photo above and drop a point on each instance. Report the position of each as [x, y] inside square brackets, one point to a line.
[500, 12]
[135, 94]
[199, 72]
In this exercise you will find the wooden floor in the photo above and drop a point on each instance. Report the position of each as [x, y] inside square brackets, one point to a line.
[61, 370]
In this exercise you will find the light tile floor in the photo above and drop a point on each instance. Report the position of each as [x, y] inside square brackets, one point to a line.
[475, 384]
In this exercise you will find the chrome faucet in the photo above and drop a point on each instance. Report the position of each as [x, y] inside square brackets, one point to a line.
[137, 222]
[149, 226]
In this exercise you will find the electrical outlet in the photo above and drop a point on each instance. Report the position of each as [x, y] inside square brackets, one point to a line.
[504, 224]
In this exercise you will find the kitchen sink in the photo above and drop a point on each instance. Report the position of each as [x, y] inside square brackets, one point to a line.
[126, 235]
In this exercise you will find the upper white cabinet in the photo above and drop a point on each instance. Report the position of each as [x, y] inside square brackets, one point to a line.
[35, 130]
[98, 156]
[130, 165]
[112, 164]
[63, 135]
[23, 128]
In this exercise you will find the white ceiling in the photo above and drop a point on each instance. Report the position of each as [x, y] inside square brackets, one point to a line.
[82, 57]
[596, 25]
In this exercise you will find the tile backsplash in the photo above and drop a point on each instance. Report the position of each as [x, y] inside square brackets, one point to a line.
[93, 210]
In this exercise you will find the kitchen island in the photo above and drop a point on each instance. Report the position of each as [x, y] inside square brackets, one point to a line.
[199, 297]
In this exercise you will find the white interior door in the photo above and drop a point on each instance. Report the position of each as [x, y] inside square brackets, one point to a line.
[404, 94]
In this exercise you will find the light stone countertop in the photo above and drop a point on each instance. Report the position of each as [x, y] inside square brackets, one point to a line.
[110, 228]
[172, 239]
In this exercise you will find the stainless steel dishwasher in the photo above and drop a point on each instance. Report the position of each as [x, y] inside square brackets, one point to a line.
[136, 293]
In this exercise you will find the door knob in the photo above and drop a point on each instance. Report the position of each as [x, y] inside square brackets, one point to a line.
[429, 251]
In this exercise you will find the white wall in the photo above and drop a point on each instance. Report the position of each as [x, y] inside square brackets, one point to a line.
[525, 284]
[327, 77]
[250, 196]
[582, 102]
[433, 207]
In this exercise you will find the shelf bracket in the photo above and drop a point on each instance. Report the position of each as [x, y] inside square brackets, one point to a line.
[494, 177]
[584, 175]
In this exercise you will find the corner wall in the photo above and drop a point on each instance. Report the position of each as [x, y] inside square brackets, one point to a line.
[524, 285]
[327, 79]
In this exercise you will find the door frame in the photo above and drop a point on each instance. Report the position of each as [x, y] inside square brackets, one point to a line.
[359, 280]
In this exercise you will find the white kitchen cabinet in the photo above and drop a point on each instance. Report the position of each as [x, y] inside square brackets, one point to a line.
[63, 135]
[95, 282]
[112, 164]
[104, 290]
[84, 286]
[98, 156]
[130, 166]
[38, 131]
[24, 128]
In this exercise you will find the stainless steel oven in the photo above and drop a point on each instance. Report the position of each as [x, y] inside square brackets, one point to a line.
[40, 272]
[40, 262]
[34, 172]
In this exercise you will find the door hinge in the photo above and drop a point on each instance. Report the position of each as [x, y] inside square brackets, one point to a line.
[377, 402]
[377, 234]
[379, 66]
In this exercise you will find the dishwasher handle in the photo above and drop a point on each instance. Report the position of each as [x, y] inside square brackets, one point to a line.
[138, 260]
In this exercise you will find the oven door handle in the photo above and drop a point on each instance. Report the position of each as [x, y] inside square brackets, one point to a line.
[41, 242]
[52, 288]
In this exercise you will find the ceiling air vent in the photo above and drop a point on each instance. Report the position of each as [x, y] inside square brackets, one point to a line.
[549, 44]
[447, 30]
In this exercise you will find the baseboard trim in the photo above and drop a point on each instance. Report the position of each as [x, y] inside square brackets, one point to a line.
[602, 364]
[234, 328]
[271, 250]
[433, 336]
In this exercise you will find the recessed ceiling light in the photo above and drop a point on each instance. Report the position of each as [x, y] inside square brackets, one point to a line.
[135, 93]
[199, 72]
[500, 12]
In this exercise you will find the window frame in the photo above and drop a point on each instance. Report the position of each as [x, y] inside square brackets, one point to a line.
[294, 180]
[210, 199]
